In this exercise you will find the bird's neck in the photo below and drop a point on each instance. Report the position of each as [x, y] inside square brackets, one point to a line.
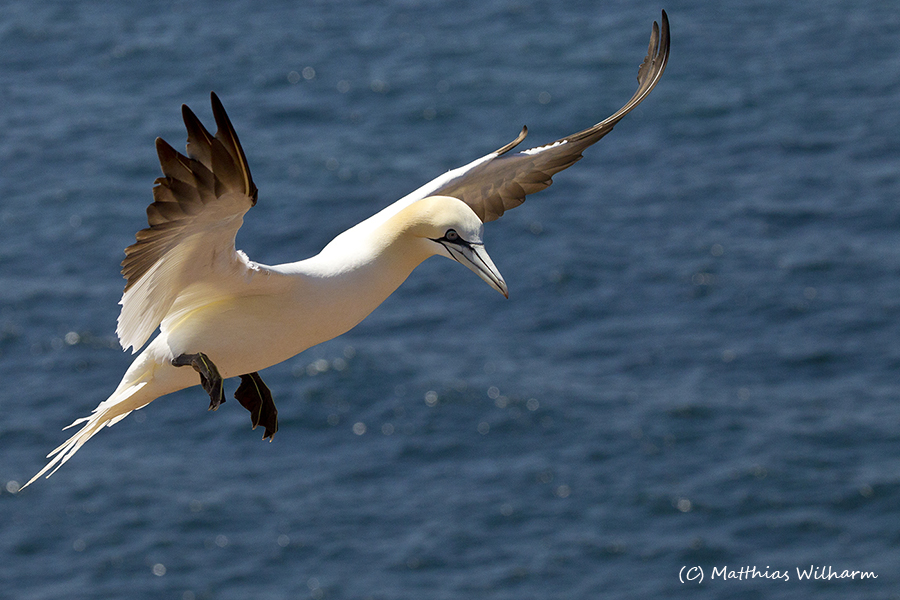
[353, 275]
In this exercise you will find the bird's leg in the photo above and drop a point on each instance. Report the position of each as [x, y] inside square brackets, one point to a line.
[209, 376]
[256, 397]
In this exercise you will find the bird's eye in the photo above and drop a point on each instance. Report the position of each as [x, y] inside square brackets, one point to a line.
[451, 235]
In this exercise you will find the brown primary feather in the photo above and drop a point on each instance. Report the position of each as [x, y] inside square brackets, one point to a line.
[214, 166]
[501, 183]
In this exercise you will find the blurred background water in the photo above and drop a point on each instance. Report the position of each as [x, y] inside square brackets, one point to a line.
[697, 365]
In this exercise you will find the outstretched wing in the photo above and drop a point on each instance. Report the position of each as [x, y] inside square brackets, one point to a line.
[197, 209]
[500, 181]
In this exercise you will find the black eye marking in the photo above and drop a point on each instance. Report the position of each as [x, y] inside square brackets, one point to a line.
[452, 237]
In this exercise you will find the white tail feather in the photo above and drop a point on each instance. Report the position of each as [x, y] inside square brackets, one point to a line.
[107, 413]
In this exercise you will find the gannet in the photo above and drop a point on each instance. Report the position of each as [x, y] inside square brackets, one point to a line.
[223, 315]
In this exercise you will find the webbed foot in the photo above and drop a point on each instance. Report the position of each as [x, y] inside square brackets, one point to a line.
[255, 396]
[210, 379]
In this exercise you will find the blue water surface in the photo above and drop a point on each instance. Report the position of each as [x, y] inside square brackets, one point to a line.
[697, 366]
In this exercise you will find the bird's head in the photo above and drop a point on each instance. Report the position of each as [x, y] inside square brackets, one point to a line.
[452, 229]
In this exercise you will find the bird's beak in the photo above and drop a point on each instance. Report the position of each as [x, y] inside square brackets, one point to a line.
[476, 258]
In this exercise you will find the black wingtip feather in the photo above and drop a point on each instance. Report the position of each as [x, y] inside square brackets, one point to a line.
[228, 136]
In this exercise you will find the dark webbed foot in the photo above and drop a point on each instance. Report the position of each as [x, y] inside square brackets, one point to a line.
[256, 397]
[209, 376]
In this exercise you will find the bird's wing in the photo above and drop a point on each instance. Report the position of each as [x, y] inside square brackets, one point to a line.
[500, 181]
[198, 207]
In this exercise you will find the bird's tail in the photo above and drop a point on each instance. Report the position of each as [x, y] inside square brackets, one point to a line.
[126, 398]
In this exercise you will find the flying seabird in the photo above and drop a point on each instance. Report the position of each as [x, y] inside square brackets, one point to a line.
[224, 316]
